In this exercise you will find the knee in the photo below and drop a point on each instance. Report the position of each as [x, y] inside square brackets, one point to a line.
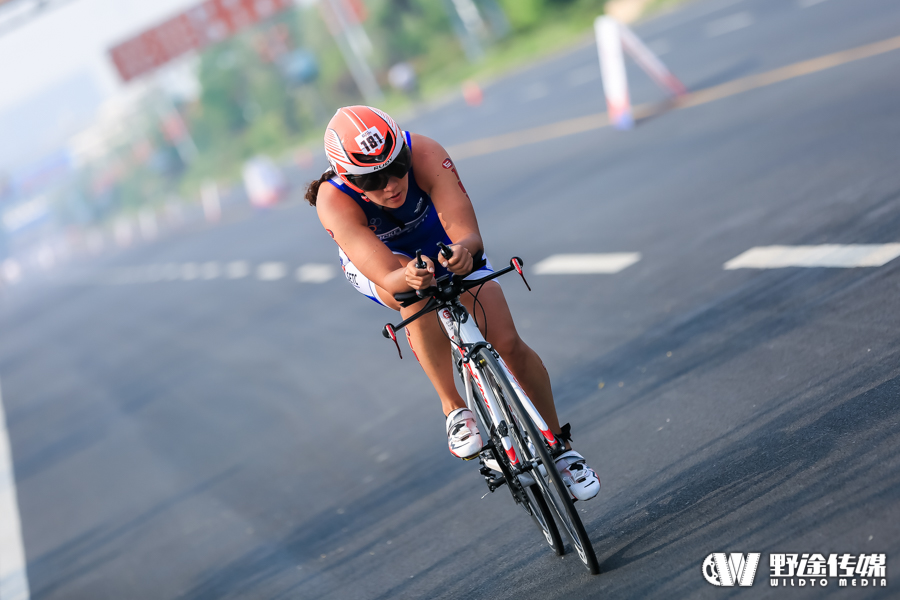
[510, 346]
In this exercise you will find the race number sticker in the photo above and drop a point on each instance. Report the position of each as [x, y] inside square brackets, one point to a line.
[370, 141]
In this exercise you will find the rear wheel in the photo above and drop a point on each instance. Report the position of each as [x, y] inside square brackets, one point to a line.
[529, 497]
[544, 519]
[534, 454]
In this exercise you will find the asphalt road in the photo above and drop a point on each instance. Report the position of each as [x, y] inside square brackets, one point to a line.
[241, 438]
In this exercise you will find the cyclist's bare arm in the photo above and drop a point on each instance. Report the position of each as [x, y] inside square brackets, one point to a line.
[437, 176]
[346, 222]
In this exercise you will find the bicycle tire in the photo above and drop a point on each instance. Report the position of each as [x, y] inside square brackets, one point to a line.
[552, 487]
[530, 498]
[547, 525]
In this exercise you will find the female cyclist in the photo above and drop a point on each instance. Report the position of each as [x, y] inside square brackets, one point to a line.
[390, 193]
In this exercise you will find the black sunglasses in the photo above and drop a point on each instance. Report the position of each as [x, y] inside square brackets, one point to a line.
[378, 180]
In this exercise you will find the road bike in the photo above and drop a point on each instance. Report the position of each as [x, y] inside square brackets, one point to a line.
[520, 449]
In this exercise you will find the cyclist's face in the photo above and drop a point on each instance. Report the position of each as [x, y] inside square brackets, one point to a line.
[393, 195]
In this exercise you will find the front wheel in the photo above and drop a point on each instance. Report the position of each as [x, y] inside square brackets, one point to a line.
[534, 454]
[530, 497]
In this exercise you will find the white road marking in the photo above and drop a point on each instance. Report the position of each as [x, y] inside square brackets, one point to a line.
[570, 264]
[582, 75]
[534, 91]
[237, 269]
[209, 270]
[171, 272]
[271, 271]
[13, 573]
[154, 273]
[825, 255]
[315, 273]
[189, 271]
[134, 275]
[808, 3]
[729, 24]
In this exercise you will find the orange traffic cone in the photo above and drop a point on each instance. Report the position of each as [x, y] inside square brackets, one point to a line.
[472, 93]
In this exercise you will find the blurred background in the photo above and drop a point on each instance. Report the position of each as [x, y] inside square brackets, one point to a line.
[198, 405]
[139, 116]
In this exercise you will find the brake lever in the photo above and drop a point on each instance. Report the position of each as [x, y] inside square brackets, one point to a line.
[446, 252]
[517, 263]
[420, 264]
[389, 332]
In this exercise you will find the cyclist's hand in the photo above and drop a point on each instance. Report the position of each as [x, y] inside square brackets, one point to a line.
[420, 279]
[461, 261]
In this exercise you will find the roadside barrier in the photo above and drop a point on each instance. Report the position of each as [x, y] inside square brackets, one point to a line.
[614, 39]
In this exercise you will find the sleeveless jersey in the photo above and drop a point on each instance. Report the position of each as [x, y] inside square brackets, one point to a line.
[414, 225]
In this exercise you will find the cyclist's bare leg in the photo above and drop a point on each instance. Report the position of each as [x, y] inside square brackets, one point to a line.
[432, 348]
[524, 362]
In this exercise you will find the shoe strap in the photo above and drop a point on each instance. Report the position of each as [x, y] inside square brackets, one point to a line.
[570, 454]
[454, 416]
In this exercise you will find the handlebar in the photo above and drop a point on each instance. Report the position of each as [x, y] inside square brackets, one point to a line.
[440, 294]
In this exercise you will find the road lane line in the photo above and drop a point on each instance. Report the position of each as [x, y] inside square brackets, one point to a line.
[728, 24]
[171, 272]
[595, 121]
[824, 255]
[13, 572]
[190, 271]
[210, 270]
[237, 269]
[533, 135]
[316, 273]
[573, 264]
[271, 271]
[154, 273]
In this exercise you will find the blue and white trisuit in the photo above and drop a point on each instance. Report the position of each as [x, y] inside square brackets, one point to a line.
[412, 226]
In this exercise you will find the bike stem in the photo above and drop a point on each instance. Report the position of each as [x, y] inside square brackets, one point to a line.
[445, 296]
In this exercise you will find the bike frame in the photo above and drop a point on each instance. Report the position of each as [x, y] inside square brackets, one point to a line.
[515, 418]
[468, 340]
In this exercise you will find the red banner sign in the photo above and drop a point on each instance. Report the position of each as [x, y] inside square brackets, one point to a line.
[196, 28]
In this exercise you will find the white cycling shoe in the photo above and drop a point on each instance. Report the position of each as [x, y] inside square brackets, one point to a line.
[581, 480]
[463, 435]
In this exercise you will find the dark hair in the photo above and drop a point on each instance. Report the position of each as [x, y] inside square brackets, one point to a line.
[312, 191]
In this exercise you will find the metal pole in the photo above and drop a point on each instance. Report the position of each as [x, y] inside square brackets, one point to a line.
[352, 52]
